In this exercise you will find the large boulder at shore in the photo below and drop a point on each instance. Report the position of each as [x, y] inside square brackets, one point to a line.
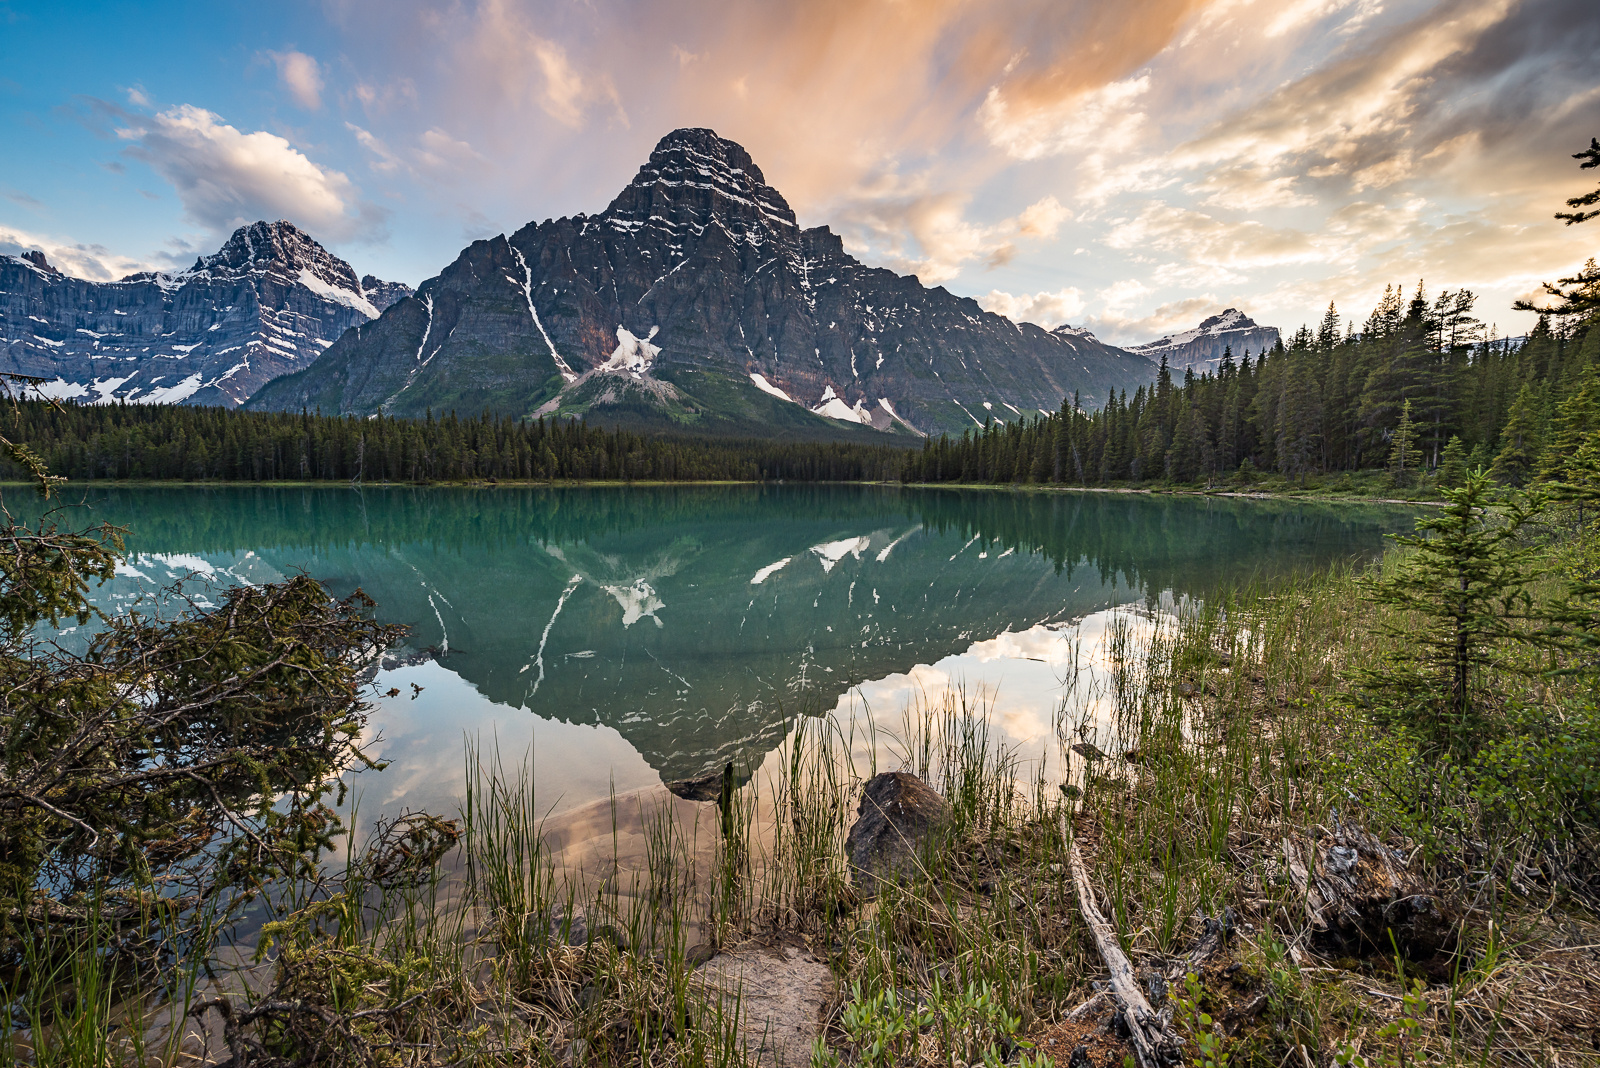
[897, 823]
[780, 993]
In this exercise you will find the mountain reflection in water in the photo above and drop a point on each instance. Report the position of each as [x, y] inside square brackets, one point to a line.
[693, 622]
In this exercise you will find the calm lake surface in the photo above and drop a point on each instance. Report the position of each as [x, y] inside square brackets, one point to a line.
[618, 637]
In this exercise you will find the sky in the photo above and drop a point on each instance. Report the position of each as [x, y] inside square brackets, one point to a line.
[1129, 165]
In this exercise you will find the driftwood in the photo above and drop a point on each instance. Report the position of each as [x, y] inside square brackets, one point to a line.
[1153, 1041]
[1214, 934]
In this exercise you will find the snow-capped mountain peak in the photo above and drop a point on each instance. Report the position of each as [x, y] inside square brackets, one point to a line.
[1201, 347]
[268, 302]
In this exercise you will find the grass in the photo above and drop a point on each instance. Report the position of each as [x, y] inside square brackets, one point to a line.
[1220, 738]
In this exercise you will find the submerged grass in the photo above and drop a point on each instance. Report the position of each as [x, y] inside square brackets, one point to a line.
[1218, 742]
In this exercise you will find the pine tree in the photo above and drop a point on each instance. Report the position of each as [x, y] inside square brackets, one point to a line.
[1467, 578]
[1521, 441]
[1453, 463]
[1591, 158]
[1576, 421]
[1403, 447]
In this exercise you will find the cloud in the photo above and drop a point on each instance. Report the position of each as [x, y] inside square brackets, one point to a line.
[521, 63]
[386, 162]
[94, 262]
[226, 178]
[1209, 241]
[300, 75]
[1118, 326]
[1353, 116]
[1045, 309]
[1245, 148]
[1107, 114]
[440, 151]
[929, 235]
[17, 196]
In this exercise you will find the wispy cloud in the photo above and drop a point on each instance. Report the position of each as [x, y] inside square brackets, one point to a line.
[301, 75]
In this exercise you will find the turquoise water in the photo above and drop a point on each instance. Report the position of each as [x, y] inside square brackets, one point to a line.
[632, 635]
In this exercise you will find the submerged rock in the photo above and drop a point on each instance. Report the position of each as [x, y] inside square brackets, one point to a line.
[898, 820]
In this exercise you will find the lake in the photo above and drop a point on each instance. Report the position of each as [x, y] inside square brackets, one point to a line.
[618, 637]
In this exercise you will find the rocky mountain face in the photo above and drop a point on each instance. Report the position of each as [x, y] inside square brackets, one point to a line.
[696, 301]
[269, 302]
[1201, 348]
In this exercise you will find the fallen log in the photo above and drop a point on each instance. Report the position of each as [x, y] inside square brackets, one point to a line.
[1154, 1042]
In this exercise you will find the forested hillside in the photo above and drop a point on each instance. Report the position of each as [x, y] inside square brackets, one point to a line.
[159, 442]
[1418, 388]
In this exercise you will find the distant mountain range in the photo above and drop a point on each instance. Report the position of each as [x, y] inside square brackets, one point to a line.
[694, 302]
[1202, 347]
[269, 302]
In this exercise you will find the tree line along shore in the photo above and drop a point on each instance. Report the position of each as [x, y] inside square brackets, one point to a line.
[1418, 396]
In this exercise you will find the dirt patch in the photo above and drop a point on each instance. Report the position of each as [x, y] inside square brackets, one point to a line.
[1100, 1047]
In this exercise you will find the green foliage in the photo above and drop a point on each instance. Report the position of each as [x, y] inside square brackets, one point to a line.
[218, 444]
[1464, 591]
[1399, 1036]
[1211, 1045]
[1453, 463]
[880, 1030]
[151, 785]
[971, 1023]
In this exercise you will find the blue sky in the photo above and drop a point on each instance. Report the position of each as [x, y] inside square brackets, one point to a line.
[1129, 164]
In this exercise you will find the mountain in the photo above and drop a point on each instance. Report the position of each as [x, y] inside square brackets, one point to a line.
[270, 301]
[1201, 348]
[696, 301]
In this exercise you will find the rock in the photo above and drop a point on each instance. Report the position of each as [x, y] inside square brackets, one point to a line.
[897, 821]
[708, 787]
[781, 993]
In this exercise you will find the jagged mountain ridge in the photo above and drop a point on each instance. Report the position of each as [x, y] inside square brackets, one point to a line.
[696, 301]
[1201, 348]
[269, 302]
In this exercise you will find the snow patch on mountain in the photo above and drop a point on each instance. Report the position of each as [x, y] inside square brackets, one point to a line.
[309, 279]
[764, 386]
[632, 354]
[834, 407]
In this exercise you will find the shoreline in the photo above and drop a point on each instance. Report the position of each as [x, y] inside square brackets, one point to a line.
[485, 484]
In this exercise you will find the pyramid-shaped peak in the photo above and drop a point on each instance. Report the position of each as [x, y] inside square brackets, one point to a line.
[279, 246]
[702, 142]
[694, 177]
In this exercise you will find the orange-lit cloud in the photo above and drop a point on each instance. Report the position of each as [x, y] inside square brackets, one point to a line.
[1120, 162]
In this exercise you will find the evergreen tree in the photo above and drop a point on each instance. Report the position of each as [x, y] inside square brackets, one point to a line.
[1453, 463]
[1467, 579]
[1591, 158]
[1521, 441]
[1403, 448]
